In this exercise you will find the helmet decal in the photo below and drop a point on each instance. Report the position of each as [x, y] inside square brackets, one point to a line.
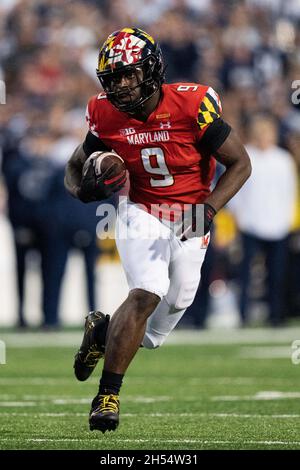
[124, 47]
[132, 48]
[127, 50]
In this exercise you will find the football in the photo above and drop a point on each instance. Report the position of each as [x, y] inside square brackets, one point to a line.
[102, 161]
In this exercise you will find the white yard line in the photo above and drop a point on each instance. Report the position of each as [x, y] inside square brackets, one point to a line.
[13, 404]
[161, 415]
[266, 352]
[50, 381]
[183, 337]
[18, 381]
[48, 400]
[263, 395]
[42, 415]
[44, 400]
[79, 401]
[151, 441]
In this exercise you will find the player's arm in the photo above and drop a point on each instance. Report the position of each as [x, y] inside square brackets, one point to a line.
[232, 154]
[73, 171]
[217, 139]
[223, 143]
[85, 188]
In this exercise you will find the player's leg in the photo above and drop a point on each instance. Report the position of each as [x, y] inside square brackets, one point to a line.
[163, 320]
[184, 269]
[127, 328]
[250, 246]
[92, 347]
[54, 253]
[142, 300]
[21, 251]
[125, 333]
[146, 264]
[90, 253]
[276, 259]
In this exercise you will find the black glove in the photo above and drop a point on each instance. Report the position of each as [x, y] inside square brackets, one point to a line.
[197, 221]
[96, 188]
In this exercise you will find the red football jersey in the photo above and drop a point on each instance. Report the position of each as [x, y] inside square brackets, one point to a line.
[162, 154]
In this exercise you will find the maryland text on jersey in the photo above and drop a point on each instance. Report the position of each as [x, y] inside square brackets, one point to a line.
[142, 138]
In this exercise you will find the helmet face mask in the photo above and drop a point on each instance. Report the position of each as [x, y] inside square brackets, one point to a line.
[133, 54]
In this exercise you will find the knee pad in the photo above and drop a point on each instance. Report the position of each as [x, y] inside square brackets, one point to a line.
[153, 340]
[182, 298]
[160, 324]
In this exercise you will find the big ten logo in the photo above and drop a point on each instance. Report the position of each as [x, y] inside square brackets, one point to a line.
[296, 94]
[2, 352]
[128, 131]
[2, 92]
[295, 356]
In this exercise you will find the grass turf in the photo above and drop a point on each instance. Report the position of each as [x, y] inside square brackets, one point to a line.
[177, 397]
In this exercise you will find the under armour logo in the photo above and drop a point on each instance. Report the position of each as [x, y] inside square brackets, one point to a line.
[165, 125]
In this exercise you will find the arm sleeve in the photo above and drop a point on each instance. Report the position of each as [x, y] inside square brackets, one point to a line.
[212, 130]
[93, 144]
[215, 135]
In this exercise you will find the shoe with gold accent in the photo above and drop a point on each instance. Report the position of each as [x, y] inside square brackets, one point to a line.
[104, 414]
[93, 345]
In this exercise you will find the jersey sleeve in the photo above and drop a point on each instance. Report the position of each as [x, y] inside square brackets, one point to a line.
[210, 109]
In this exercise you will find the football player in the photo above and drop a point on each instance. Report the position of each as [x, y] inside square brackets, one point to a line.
[170, 136]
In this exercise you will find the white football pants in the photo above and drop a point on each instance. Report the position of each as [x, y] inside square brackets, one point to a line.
[155, 260]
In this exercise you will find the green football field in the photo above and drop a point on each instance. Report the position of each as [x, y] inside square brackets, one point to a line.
[201, 390]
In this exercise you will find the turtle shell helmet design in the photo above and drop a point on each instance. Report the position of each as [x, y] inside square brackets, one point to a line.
[126, 51]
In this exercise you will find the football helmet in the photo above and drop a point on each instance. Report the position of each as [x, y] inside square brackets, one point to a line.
[125, 52]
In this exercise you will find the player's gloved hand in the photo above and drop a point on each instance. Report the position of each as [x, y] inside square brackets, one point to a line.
[197, 221]
[97, 188]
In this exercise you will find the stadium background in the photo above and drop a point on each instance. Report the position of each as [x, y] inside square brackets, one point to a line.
[247, 50]
[208, 389]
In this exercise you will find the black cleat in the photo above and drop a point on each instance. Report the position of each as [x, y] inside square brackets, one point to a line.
[93, 345]
[104, 414]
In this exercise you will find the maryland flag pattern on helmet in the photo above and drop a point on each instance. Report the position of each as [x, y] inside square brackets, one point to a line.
[210, 108]
[125, 47]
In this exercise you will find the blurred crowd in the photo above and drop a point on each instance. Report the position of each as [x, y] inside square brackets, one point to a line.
[248, 51]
